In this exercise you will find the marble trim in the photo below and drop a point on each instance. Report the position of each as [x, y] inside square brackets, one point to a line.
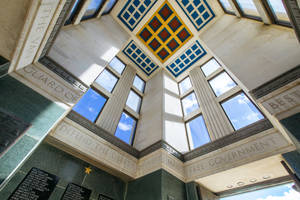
[276, 83]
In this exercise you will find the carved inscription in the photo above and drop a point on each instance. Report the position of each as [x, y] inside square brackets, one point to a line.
[52, 86]
[226, 159]
[37, 31]
[284, 101]
[101, 152]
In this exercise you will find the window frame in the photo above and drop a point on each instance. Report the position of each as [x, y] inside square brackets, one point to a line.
[108, 12]
[243, 14]
[98, 115]
[110, 71]
[234, 95]
[84, 18]
[186, 130]
[78, 7]
[132, 136]
[225, 10]
[272, 15]
[143, 92]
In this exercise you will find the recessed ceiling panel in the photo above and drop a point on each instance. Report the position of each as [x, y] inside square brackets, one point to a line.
[134, 11]
[185, 60]
[198, 11]
[165, 32]
[140, 58]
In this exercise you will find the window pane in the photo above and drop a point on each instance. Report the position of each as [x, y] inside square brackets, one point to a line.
[185, 85]
[197, 132]
[134, 101]
[117, 65]
[92, 9]
[139, 83]
[221, 83]
[189, 103]
[278, 10]
[226, 5]
[107, 80]
[90, 105]
[72, 13]
[210, 67]
[241, 111]
[109, 6]
[126, 128]
[248, 7]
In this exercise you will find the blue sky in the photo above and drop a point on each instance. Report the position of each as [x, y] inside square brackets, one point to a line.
[197, 132]
[282, 192]
[125, 127]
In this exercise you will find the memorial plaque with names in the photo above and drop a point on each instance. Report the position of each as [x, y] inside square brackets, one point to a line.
[103, 197]
[37, 185]
[76, 192]
[11, 130]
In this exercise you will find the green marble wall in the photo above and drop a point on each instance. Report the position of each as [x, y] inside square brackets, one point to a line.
[292, 124]
[293, 158]
[156, 186]
[69, 169]
[28, 105]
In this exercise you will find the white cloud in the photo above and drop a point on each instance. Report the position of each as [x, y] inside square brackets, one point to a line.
[290, 195]
[222, 83]
[91, 109]
[252, 116]
[124, 127]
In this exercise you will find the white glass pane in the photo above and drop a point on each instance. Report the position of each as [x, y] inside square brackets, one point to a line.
[189, 104]
[248, 7]
[197, 132]
[279, 10]
[109, 6]
[107, 80]
[210, 67]
[139, 83]
[226, 5]
[241, 111]
[92, 8]
[117, 65]
[134, 101]
[222, 83]
[126, 128]
[185, 85]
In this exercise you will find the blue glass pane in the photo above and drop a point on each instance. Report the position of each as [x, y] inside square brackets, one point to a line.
[72, 12]
[226, 5]
[134, 101]
[241, 111]
[278, 10]
[90, 105]
[126, 128]
[248, 7]
[185, 85]
[222, 83]
[197, 132]
[109, 6]
[92, 8]
[210, 67]
[189, 104]
[117, 65]
[139, 83]
[107, 80]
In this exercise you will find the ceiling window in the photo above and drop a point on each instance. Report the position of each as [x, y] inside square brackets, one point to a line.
[92, 9]
[109, 6]
[197, 132]
[134, 101]
[72, 13]
[107, 80]
[117, 65]
[278, 11]
[189, 104]
[241, 111]
[139, 84]
[185, 85]
[126, 128]
[248, 8]
[226, 6]
[210, 67]
[222, 83]
[90, 105]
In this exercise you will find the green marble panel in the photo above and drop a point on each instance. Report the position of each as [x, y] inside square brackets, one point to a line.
[293, 158]
[10, 187]
[191, 191]
[172, 186]
[292, 124]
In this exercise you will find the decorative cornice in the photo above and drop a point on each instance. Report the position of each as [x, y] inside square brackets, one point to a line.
[103, 133]
[59, 23]
[254, 187]
[236, 136]
[60, 71]
[276, 83]
[4, 65]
